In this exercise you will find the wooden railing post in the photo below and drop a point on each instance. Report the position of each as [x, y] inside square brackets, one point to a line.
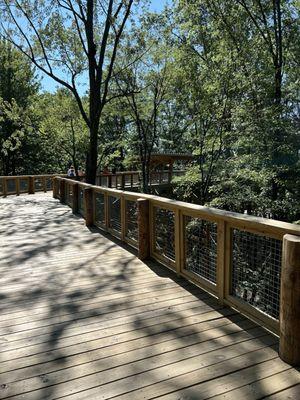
[55, 187]
[179, 235]
[289, 347]
[75, 198]
[4, 183]
[123, 218]
[62, 190]
[122, 181]
[143, 229]
[31, 185]
[18, 186]
[131, 180]
[221, 260]
[88, 206]
[109, 181]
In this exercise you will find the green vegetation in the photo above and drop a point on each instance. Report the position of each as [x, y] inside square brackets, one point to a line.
[216, 78]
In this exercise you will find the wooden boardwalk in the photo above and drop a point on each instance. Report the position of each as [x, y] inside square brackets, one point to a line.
[82, 318]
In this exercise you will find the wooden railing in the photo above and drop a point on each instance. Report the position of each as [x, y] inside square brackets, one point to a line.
[238, 258]
[130, 179]
[31, 184]
[10, 185]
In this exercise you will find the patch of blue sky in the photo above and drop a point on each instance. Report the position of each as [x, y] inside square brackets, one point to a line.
[49, 85]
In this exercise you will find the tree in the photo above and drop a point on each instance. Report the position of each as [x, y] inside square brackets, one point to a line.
[62, 124]
[18, 85]
[68, 41]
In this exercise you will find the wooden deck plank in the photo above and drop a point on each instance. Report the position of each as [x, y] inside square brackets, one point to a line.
[83, 318]
[292, 393]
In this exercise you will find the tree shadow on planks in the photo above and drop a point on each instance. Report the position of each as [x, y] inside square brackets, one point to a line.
[103, 323]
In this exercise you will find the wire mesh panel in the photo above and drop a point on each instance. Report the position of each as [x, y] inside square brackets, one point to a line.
[24, 185]
[135, 179]
[114, 205]
[164, 232]
[38, 184]
[69, 194]
[66, 193]
[128, 180]
[201, 247]
[114, 181]
[165, 177]
[131, 210]
[256, 269]
[80, 201]
[155, 177]
[99, 204]
[11, 185]
[48, 183]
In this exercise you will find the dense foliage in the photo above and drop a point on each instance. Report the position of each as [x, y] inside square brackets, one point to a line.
[215, 78]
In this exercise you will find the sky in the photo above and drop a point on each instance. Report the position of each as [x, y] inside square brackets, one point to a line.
[49, 85]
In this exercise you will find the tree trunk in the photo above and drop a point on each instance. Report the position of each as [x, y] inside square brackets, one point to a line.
[91, 161]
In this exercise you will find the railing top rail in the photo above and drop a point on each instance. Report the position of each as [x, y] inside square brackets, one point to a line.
[241, 220]
[28, 176]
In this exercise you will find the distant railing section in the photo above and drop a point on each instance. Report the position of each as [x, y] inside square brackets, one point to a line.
[10, 185]
[236, 257]
[132, 179]
[31, 184]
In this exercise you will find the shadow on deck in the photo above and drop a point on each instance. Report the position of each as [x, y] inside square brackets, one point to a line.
[83, 318]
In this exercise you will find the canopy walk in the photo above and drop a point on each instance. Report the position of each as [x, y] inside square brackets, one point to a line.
[82, 317]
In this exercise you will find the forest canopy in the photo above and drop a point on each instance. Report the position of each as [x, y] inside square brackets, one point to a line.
[218, 79]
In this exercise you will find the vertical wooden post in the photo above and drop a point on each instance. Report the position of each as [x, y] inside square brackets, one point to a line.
[123, 218]
[88, 206]
[75, 198]
[131, 180]
[106, 208]
[170, 172]
[44, 184]
[221, 243]
[62, 190]
[31, 185]
[143, 229]
[4, 183]
[55, 187]
[18, 186]
[289, 347]
[109, 181]
[178, 234]
[122, 181]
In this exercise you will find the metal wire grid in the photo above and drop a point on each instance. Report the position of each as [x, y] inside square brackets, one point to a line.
[165, 177]
[155, 177]
[164, 232]
[114, 204]
[24, 185]
[99, 208]
[11, 185]
[201, 247]
[131, 210]
[48, 183]
[114, 181]
[69, 195]
[127, 180]
[256, 270]
[80, 201]
[38, 184]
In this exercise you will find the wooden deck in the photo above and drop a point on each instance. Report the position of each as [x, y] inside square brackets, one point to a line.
[82, 318]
